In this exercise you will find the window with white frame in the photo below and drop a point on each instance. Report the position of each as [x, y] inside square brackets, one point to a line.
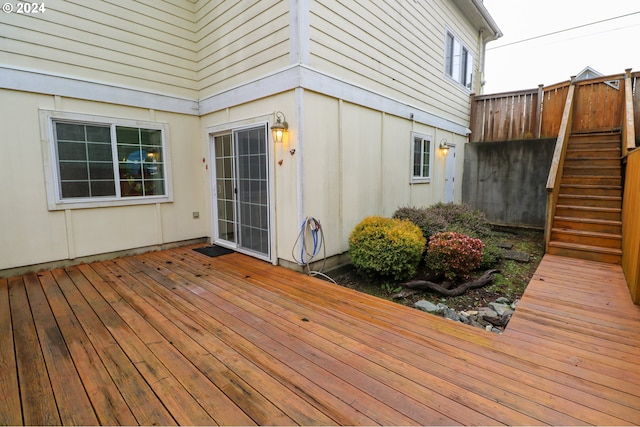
[458, 62]
[98, 161]
[421, 158]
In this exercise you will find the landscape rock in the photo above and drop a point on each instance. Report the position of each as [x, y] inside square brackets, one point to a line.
[501, 308]
[427, 306]
[451, 314]
[492, 318]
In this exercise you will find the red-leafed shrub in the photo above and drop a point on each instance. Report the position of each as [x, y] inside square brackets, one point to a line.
[454, 255]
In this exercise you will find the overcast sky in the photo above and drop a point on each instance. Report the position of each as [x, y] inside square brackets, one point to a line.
[608, 47]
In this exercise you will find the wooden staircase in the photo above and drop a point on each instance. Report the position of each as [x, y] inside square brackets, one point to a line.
[588, 217]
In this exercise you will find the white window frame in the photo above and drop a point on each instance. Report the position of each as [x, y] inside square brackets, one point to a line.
[425, 139]
[458, 61]
[50, 158]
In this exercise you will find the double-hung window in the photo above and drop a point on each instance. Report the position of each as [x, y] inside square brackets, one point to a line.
[100, 162]
[458, 62]
[421, 158]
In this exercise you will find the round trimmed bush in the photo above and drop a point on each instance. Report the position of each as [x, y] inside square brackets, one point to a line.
[386, 247]
[454, 255]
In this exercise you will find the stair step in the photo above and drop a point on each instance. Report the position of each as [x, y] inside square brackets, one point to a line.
[590, 169]
[595, 137]
[590, 200]
[613, 214]
[588, 224]
[591, 190]
[588, 215]
[603, 181]
[592, 161]
[588, 153]
[589, 238]
[593, 253]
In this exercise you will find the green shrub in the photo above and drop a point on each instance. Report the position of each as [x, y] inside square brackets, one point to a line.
[454, 255]
[430, 223]
[491, 254]
[386, 247]
[462, 218]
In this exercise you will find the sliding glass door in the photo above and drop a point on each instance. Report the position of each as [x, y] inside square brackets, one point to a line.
[241, 190]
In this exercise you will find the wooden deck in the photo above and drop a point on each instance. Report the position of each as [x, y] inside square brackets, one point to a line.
[175, 337]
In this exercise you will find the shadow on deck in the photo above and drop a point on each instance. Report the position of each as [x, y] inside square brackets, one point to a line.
[175, 337]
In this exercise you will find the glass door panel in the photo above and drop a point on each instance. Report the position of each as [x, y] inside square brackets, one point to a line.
[253, 196]
[225, 188]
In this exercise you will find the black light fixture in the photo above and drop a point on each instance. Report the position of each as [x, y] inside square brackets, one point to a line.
[279, 128]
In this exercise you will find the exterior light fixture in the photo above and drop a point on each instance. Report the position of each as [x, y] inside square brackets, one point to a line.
[279, 128]
[444, 147]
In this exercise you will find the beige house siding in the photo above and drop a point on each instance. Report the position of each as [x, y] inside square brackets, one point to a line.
[353, 95]
[394, 48]
[33, 234]
[148, 46]
[362, 166]
[240, 42]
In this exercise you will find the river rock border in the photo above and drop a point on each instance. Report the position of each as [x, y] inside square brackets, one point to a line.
[494, 317]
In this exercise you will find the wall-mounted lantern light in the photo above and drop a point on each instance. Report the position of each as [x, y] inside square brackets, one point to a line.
[279, 128]
[444, 147]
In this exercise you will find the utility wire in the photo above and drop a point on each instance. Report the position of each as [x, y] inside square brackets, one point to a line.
[563, 30]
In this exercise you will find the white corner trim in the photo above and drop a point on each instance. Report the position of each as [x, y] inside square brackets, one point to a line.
[300, 28]
[51, 84]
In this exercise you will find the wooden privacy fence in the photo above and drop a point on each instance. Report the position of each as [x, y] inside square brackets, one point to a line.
[537, 113]
[635, 83]
[631, 225]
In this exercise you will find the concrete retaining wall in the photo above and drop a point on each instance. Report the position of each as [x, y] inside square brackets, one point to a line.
[507, 180]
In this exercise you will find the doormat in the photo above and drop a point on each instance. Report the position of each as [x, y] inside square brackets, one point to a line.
[213, 251]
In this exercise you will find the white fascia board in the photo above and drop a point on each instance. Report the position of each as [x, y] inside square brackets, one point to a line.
[286, 79]
[51, 84]
[322, 83]
[280, 81]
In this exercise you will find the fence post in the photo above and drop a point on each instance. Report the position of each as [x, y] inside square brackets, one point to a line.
[539, 111]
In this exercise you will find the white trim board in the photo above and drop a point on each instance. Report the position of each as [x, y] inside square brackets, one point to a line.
[290, 78]
[51, 84]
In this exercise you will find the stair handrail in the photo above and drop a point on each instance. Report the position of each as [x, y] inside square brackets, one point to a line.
[628, 128]
[557, 162]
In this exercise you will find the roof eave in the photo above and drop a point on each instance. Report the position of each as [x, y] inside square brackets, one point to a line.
[479, 16]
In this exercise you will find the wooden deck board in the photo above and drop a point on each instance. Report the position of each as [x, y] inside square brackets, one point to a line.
[175, 337]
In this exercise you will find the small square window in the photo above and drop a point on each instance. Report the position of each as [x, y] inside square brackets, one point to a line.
[421, 158]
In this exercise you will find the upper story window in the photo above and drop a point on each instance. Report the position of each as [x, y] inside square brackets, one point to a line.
[421, 158]
[458, 62]
[103, 162]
